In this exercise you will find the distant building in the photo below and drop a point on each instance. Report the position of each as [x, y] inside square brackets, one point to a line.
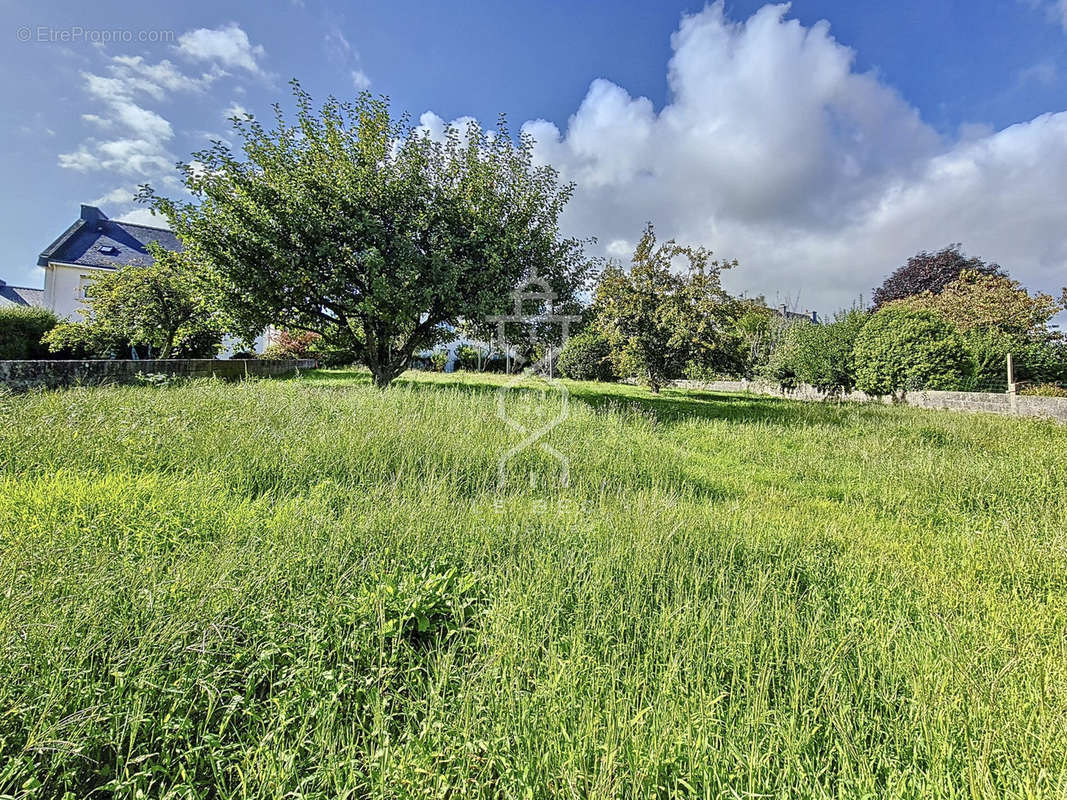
[796, 316]
[91, 246]
[20, 296]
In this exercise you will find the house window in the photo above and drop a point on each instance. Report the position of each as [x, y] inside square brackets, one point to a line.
[83, 285]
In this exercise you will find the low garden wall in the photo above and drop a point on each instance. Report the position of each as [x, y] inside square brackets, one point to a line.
[52, 374]
[1013, 404]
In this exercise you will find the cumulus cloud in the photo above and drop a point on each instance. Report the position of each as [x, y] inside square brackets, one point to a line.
[123, 194]
[143, 133]
[228, 46]
[139, 136]
[774, 149]
[360, 80]
[144, 216]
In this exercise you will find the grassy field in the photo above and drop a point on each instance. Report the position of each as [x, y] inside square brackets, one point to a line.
[311, 588]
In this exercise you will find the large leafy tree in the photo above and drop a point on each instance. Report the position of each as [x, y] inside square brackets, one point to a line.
[990, 302]
[929, 272]
[358, 226]
[165, 307]
[997, 316]
[658, 319]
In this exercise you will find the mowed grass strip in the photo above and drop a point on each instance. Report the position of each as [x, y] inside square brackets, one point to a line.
[312, 588]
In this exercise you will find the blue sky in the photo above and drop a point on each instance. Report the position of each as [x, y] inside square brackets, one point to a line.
[819, 143]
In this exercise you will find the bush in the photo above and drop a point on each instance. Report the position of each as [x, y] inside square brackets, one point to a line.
[497, 362]
[289, 344]
[79, 340]
[1041, 361]
[331, 355]
[899, 349]
[587, 357]
[820, 355]
[1044, 390]
[438, 360]
[200, 342]
[22, 330]
[469, 357]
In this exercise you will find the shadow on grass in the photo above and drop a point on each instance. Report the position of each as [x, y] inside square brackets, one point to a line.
[671, 406]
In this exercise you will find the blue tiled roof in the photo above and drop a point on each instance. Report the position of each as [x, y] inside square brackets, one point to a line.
[20, 296]
[96, 241]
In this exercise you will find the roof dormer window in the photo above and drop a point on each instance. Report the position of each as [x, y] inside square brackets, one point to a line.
[108, 250]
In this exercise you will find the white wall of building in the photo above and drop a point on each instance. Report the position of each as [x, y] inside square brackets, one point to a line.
[64, 293]
[64, 288]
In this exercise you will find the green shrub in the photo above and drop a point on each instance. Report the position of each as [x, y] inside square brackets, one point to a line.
[820, 355]
[1041, 361]
[899, 349]
[587, 357]
[332, 355]
[438, 360]
[496, 362]
[201, 341]
[78, 340]
[469, 357]
[1044, 390]
[21, 332]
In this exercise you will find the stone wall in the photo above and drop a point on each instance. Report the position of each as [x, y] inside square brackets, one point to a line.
[51, 374]
[1054, 408]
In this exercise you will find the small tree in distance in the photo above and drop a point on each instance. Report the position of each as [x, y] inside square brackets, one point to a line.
[657, 319]
[929, 272]
[165, 306]
[356, 225]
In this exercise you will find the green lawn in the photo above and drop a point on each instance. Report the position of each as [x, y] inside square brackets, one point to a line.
[311, 588]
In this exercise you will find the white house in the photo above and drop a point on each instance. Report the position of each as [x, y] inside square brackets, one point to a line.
[93, 245]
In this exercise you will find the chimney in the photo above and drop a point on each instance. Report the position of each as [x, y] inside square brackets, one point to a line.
[92, 213]
[815, 316]
[781, 309]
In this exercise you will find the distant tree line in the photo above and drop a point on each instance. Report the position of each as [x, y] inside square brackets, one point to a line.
[940, 321]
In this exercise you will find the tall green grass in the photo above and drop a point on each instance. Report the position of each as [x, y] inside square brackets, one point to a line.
[312, 588]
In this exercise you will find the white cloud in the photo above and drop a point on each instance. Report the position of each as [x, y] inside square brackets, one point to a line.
[227, 46]
[1043, 72]
[97, 120]
[1056, 10]
[234, 110]
[342, 54]
[123, 194]
[360, 79]
[144, 216]
[143, 134]
[818, 178]
[338, 48]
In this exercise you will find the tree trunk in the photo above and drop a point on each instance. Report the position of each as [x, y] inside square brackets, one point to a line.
[385, 374]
